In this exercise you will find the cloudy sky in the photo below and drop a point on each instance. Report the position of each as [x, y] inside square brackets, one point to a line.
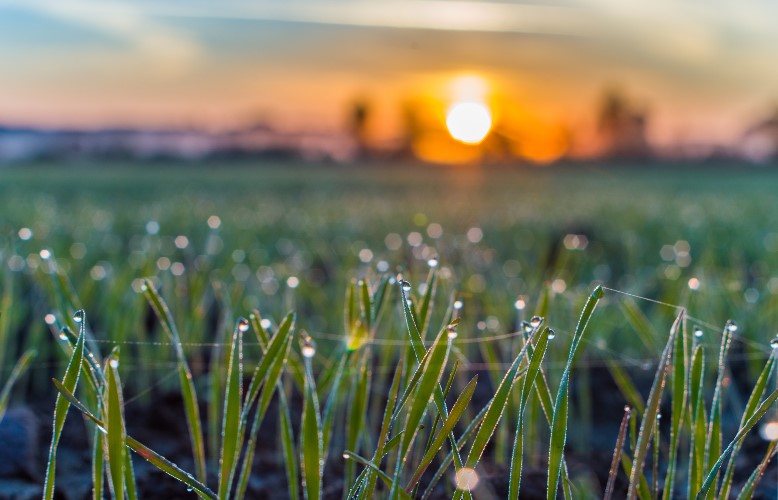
[703, 70]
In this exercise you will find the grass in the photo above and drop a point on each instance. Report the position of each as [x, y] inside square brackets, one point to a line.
[394, 389]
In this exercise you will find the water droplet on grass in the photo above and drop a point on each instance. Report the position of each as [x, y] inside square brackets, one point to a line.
[452, 331]
[308, 349]
[243, 325]
[406, 285]
[458, 305]
[731, 326]
[774, 343]
[433, 262]
[551, 334]
[535, 321]
[697, 331]
[78, 316]
[114, 363]
[526, 327]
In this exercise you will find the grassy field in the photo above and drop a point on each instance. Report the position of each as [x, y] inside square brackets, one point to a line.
[327, 243]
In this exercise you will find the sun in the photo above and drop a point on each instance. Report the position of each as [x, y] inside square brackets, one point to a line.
[469, 122]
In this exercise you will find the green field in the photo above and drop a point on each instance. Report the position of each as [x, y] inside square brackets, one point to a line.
[225, 241]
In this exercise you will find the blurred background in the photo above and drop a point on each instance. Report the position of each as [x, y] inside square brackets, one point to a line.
[442, 81]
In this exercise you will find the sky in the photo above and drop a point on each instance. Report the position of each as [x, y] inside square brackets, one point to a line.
[703, 71]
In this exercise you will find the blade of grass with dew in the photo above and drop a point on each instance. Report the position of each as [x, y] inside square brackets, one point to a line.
[496, 408]
[617, 455]
[644, 493]
[680, 382]
[753, 480]
[116, 434]
[536, 358]
[287, 446]
[358, 409]
[381, 474]
[188, 393]
[19, 368]
[559, 420]
[98, 462]
[69, 381]
[332, 399]
[129, 478]
[763, 408]
[311, 450]
[652, 409]
[713, 443]
[366, 304]
[231, 434]
[753, 400]
[448, 425]
[425, 309]
[697, 408]
[144, 451]
[386, 424]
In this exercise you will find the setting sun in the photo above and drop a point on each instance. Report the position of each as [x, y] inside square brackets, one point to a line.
[469, 122]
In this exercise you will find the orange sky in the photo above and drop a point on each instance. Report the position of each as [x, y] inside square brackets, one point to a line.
[704, 72]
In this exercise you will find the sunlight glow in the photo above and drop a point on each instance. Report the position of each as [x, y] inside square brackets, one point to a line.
[469, 122]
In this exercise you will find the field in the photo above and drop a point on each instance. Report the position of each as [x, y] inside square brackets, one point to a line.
[677, 251]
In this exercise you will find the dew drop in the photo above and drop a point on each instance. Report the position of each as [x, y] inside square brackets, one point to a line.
[433, 262]
[458, 305]
[452, 332]
[114, 363]
[551, 334]
[535, 321]
[627, 409]
[189, 489]
[774, 343]
[345, 456]
[731, 326]
[308, 350]
[265, 323]
[659, 416]
[406, 285]
[697, 332]
[526, 327]
[62, 336]
[78, 316]
[243, 325]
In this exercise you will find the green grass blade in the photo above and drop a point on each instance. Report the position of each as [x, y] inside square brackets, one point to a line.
[652, 410]
[232, 438]
[69, 381]
[358, 409]
[287, 446]
[116, 433]
[425, 309]
[617, 455]
[129, 478]
[373, 467]
[517, 456]
[763, 408]
[680, 380]
[188, 393]
[559, 420]
[697, 408]
[19, 368]
[311, 451]
[713, 443]
[147, 453]
[98, 464]
[753, 400]
[367, 305]
[453, 417]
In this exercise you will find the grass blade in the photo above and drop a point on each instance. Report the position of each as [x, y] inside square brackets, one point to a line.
[116, 433]
[559, 420]
[311, 446]
[753, 480]
[69, 381]
[188, 393]
[617, 455]
[287, 446]
[652, 410]
[232, 438]
[697, 445]
[680, 380]
[536, 357]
